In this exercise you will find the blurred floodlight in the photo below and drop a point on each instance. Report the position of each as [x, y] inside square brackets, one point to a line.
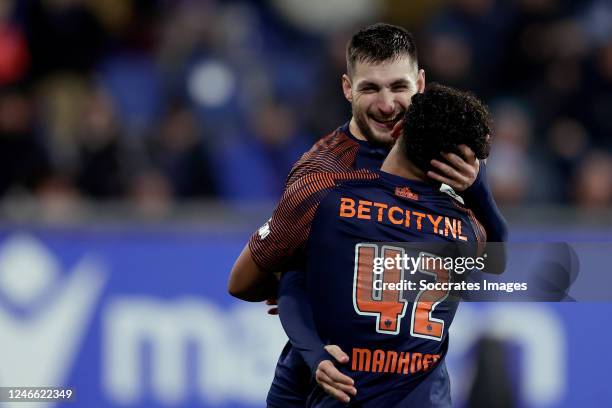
[211, 84]
[326, 15]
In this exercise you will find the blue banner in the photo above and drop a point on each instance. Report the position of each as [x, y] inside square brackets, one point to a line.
[141, 318]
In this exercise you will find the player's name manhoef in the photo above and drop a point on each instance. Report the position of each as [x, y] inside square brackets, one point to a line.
[36, 394]
[406, 285]
[388, 361]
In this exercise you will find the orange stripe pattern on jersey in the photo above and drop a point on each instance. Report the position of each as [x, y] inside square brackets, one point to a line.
[288, 229]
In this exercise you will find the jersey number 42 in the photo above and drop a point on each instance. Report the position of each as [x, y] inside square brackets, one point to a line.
[389, 305]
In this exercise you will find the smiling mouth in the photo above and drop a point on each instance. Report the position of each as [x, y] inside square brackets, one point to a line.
[387, 123]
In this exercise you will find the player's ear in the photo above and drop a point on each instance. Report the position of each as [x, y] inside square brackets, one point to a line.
[347, 87]
[421, 81]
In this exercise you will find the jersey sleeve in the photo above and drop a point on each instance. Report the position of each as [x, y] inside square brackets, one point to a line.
[333, 153]
[279, 245]
[298, 321]
[276, 243]
[480, 199]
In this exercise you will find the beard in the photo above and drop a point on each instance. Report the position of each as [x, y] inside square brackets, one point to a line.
[376, 137]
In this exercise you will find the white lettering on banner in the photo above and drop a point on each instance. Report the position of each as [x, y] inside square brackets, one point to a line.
[40, 349]
[197, 350]
[233, 350]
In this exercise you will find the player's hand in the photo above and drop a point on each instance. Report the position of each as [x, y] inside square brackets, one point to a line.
[397, 129]
[333, 382]
[459, 172]
[274, 309]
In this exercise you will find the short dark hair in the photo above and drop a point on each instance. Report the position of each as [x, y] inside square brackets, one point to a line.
[378, 43]
[442, 118]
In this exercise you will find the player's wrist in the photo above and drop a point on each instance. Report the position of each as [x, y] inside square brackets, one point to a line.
[478, 188]
[321, 357]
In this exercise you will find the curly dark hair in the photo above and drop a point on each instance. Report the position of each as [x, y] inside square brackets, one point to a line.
[442, 118]
[378, 43]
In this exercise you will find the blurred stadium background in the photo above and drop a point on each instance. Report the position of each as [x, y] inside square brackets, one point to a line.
[142, 141]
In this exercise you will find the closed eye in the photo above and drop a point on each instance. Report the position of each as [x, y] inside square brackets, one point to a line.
[400, 88]
[369, 89]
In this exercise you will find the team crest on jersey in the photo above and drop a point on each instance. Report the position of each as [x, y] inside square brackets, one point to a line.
[264, 230]
[406, 193]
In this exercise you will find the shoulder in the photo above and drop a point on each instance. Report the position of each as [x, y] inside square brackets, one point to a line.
[333, 153]
[322, 181]
[287, 231]
[457, 208]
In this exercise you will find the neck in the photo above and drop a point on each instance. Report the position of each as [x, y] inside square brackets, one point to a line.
[396, 163]
[354, 129]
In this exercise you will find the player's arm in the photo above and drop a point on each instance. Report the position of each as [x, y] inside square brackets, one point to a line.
[279, 244]
[248, 281]
[479, 198]
[298, 322]
[468, 176]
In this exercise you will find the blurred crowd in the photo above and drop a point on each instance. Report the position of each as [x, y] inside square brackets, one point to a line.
[162, 101]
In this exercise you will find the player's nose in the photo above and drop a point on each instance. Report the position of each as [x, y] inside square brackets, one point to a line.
[386, 103]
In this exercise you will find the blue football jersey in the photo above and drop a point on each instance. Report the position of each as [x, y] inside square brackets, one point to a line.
[328, 226]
